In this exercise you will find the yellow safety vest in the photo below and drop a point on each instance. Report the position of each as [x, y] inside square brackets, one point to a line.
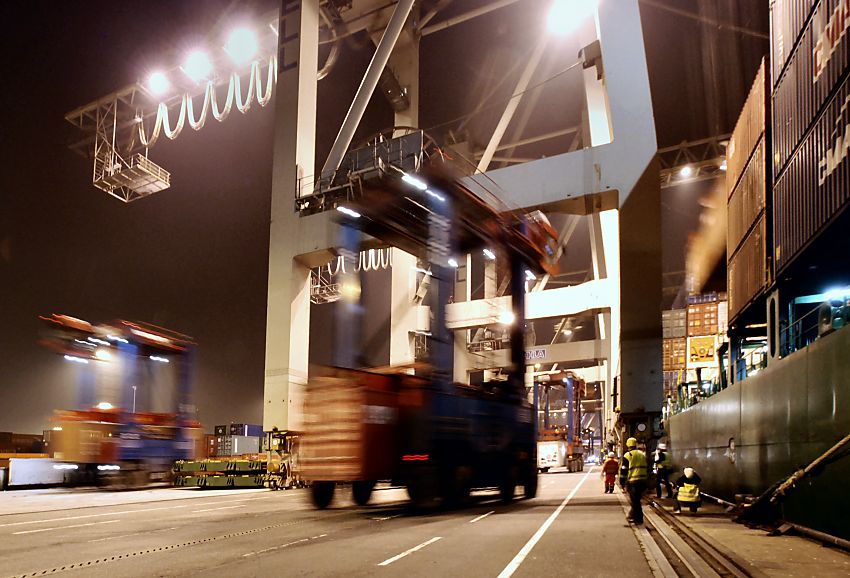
[637, 466]
[689, 493]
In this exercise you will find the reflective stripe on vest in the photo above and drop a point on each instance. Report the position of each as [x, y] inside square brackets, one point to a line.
[689, 493]
[637, 465]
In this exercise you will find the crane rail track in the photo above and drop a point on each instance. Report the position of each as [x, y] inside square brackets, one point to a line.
[720, 562]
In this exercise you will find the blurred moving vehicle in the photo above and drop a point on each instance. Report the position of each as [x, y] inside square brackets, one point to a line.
[135, 415]
[415, 426]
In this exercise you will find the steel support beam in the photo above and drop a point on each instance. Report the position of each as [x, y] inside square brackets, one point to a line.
[513, 103]
[288, 311]
[367, 86]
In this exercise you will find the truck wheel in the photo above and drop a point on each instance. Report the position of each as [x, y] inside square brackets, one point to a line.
[322, 494]
[529, 485]
[507, 487]
[422, 489]
[361, 491]
[457, 488]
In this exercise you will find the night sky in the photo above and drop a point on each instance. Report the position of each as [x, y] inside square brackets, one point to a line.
[194, 258]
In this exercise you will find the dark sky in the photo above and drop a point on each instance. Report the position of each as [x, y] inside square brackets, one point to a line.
[194, 258]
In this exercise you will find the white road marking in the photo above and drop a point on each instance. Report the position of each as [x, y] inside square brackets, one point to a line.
[89, 516]
[389, 561]
[216, 509]
[273, 548]
[386, 518]
[64, 527]
[482, 516]
[518, 559]
[133, 534]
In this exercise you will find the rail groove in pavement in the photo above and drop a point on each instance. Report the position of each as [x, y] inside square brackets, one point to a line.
[697, 554]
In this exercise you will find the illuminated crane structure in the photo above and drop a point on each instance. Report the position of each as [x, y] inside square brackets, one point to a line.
[597, 174]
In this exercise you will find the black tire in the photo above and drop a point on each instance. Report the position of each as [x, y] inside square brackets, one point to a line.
[422, 489]
[361, 491]
[322, 494]
[507, 487]
[457, 488]
[529, 484]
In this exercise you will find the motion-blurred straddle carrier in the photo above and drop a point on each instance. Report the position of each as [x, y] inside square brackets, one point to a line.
[437, 437]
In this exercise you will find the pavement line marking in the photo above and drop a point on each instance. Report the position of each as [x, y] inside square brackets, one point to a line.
[273, 548]
[389, 561]
[482, 516]
[216, 509]
[87, 516]
[64, 527]
[386, 518]
[133, 534]
[514, 564]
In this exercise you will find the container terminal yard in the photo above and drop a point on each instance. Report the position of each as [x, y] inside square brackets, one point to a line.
[426, 287]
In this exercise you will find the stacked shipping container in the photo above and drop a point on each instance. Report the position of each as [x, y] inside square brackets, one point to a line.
[747, 249]
[811, 121]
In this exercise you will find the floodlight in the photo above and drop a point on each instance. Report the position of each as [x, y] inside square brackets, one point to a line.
[453, 263]
[104, 405]
[158, 83]
[349, 212]
[566, 15]
[490, 254]
[197, 66]
[686, 172]
[241, 46]
[507, 317]
[159, 359]
[529, 276]
[723, 165]
[414, 182]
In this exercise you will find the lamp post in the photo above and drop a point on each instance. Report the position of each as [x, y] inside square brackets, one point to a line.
[134, 399]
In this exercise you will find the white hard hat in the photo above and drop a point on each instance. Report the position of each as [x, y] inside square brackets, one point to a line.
[662, 446]
[612, 455]
[689, 472]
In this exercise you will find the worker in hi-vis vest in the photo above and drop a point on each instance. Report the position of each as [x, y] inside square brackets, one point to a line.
[661, 468]
[633, 478]
[687, 487]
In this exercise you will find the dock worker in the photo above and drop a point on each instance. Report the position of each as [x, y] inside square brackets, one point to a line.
[609, 472]
[688, 495]
[661, 467]
[633, 478]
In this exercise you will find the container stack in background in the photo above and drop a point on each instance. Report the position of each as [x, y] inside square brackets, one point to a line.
[691, 339]
[238, 439]
[811, 121]
[749, 230]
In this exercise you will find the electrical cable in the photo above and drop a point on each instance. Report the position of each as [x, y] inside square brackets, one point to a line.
[187, 109]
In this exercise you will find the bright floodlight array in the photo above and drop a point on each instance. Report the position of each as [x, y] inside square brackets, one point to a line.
[241, 46]
[565, 16]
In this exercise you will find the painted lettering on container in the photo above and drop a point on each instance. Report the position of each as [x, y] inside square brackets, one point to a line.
[836, 153]
[829, 36]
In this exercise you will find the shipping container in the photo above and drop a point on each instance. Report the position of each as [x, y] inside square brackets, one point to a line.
[236, 445]
[748, 272]
[674, 354]
[787, 19]
[722, 318]
[817, 66]
[246, 429]
[674, 323]
[749, 130]
[210, 446]
[702, 319]
[747, 202]
[815, 187]
[671, 384]
[222, 430]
